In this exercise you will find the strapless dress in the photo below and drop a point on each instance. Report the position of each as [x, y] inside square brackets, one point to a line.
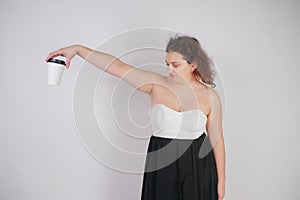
[169, 123]
[175, 167]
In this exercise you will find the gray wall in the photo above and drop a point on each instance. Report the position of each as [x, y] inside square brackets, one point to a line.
[255, 45]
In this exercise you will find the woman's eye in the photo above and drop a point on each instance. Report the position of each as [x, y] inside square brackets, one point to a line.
[173, 65]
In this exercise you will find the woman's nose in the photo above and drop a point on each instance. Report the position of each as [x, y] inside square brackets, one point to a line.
[170, 69]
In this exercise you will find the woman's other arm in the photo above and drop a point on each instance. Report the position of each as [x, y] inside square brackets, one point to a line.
[215, 132]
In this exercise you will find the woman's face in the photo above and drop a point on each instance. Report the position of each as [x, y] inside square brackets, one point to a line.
[178, 67]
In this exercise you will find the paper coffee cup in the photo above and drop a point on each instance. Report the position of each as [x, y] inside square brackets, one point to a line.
[55, 71]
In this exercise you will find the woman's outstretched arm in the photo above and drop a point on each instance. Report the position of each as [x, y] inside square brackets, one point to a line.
[143, 80]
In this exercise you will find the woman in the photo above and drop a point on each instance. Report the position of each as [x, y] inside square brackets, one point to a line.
[185, 112]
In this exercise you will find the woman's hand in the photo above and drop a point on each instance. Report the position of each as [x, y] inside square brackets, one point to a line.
[68, 52]
[221, 190]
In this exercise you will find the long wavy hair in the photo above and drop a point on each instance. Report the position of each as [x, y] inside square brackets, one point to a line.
[190, 48]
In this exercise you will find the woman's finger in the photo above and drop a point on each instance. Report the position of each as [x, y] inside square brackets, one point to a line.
[221, 198]
[68, 62]
[54, 54]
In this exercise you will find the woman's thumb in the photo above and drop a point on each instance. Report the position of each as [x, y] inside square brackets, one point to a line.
[68, 61]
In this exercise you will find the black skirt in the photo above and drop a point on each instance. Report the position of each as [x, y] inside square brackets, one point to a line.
[180, 169]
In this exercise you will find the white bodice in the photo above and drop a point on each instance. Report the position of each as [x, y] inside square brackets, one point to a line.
[169, 123]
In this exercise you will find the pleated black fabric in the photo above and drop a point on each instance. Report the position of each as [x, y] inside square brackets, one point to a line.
[189, 177]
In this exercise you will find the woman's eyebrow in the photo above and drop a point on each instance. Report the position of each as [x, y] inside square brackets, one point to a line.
[172, 62]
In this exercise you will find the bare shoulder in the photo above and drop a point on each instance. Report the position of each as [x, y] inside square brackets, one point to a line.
[213, 93]
[161, 79]
[214, 99]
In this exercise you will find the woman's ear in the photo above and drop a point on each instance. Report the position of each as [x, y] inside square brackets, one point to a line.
[193, 67]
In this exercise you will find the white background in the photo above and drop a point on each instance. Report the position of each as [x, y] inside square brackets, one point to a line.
[255, 45]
